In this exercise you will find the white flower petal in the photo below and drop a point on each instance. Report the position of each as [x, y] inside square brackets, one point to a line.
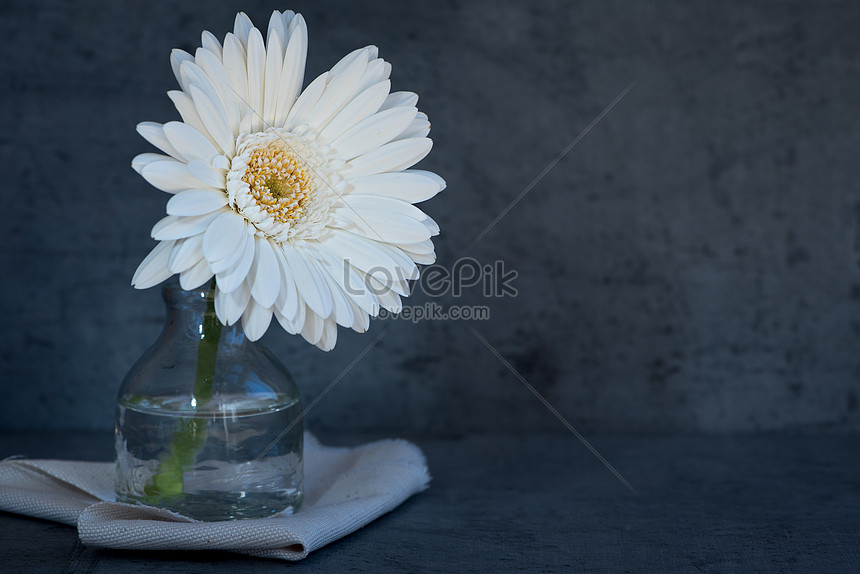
[255, 320]
[221, 162]
[153, 269]
[362, 319]
[173, 227]
[189, 142]
[186, 253]
[213, 115]
[222, 265]
[364, 54]
[388, 298]
[235, 64]
[265, 275]
[376, 71]
[314, 328]
[185, 106]
[177, 58]
[278, 27]
[419, 128]
[361, 107]
[211, 43]
[372, 132]
[329, 336]
[256, 77]
[298, 321]
[204, 172]
[369, 256]
[287, 302]
[229, 307]
[293, 71]
[292, 325]
[431, 225]
[309, 283]
[306, 102]
[246, 126]
[217, 74]
[341, 309]
[154, 133]
[423, 248]
[412, 185]
[231, 278]
[193, 75]
[274, 63]
[289, 18]
[337, 92]
[393, 156]
[196, 276]
[383, 226]
[226, 235]
[140, 161]
[349, 279]
[422, 258]
[196, 202]
[408, 269]
[400, 99]
[170, 175]
[242, 27]
[378, 203]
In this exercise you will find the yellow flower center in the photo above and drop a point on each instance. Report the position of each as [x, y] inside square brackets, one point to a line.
[278, 182]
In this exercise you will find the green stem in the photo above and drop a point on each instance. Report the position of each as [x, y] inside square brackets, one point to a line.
[190, 433]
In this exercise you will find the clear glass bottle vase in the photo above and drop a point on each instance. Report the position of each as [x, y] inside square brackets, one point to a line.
[207, 422]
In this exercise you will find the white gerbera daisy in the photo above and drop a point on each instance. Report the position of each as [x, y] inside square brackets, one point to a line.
[300, 206]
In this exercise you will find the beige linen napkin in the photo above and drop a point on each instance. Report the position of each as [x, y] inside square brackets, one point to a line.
[345, 489]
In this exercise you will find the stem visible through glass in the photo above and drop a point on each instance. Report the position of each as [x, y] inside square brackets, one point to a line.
[190, 433]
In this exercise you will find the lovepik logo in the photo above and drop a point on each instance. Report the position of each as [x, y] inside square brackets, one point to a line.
[438, 281]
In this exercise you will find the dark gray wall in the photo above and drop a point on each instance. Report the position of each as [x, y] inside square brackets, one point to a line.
[691, 264]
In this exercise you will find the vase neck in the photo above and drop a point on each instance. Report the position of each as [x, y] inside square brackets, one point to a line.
[191, 314]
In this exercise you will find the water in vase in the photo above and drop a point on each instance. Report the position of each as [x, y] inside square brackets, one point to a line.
[242, 460]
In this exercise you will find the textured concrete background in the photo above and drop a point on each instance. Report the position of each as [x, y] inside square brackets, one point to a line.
[691, 264]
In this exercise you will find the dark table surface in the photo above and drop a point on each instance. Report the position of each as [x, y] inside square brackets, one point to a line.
[543, 503]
